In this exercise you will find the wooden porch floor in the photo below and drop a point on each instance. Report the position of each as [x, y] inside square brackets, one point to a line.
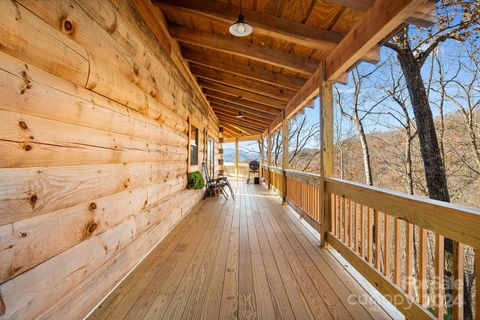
[248, 258]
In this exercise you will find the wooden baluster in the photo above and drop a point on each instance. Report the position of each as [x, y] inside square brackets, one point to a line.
[439, 273]
[333, 213]
[357, 231]
[397, 265]
[370, 236]
[386, 245]
[422, 267]
[348, 222]
[409, 258]
[377, 240]
[342, 218]
[362, 231]
[477, 284]
[458, 266]
[353, 224]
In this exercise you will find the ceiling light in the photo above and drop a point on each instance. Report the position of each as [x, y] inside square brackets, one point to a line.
[240, 28]
[240, 115]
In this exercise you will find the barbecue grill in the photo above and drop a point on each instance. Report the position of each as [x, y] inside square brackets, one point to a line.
[253, 167]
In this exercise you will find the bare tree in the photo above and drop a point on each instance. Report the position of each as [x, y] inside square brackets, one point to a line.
[457, 19]
[356, 112]
[465, 97]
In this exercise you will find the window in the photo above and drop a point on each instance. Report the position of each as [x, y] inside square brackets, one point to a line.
[193, 146]
[211, 157]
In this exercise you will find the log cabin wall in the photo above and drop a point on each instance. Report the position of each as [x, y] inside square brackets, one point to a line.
[94, 119]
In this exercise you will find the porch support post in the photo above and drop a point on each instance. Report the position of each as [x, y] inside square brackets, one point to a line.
[269, 159]
[284, 158]
[327, 152]
[262, 151]
[236, 157]
[220, 151]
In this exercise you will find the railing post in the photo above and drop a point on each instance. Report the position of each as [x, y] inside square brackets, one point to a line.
[284, 158]
[269, 159]
[262, 150]
[220, 152]
[236, 157]
[326, 149]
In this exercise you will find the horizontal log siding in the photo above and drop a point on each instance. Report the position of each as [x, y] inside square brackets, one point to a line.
[93, 151]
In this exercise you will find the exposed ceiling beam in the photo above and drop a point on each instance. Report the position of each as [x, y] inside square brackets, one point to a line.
[247, 117]
[236, 131]
[224, 106]
[254, 137]
[424, 16]
[246, 121]
[241, 102]
[305, 95]
[245, 49]
[244, 70]
[229, 131]
[379, 21]
[242, 83]
[225, 120]
[264, 24]
[239, 93]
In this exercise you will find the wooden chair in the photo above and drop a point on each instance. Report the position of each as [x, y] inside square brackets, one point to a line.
[220, 182]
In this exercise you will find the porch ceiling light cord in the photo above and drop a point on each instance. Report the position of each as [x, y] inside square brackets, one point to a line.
[240, 28]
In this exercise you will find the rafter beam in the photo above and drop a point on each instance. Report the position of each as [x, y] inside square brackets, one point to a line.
[240, 102]
[250, 129]
[224, 106]
[242, 83]
[245, 49]
[379, 21]
[239, 93]
[254, 73]
[265, 24]
[230, 130]
[424, 16]
[247, 117]
[246, 123]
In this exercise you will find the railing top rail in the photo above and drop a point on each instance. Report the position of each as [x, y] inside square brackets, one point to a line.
[303, 173]
[456, 222]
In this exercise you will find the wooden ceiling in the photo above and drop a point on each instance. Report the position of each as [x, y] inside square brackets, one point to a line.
[261, 74]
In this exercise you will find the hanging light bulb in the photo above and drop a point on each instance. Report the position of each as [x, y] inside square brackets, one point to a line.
[240, 115]
[240, 28]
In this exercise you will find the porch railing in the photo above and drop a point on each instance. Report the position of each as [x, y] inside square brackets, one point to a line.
[396, 241]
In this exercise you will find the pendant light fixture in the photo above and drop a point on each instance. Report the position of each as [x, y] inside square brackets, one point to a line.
[240, 115]
[240, 28]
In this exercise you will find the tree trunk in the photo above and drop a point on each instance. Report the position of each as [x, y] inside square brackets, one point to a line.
[408, 162]
[366, 153]
[435, 175]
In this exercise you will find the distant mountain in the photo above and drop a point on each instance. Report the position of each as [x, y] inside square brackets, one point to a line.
[244, 156]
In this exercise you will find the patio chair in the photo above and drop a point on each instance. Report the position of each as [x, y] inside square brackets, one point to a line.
[220, 182]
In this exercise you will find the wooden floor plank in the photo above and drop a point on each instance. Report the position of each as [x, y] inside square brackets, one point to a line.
[198, 295]
[247, 303]
[229, 302]
[213, 297]
[263, 296]
[181, 266]
[179, 299]
[248, 258]
[121, 299]
[154, 292]
[330, 267]
[317, 304]
[332, 292]
[299, 304]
